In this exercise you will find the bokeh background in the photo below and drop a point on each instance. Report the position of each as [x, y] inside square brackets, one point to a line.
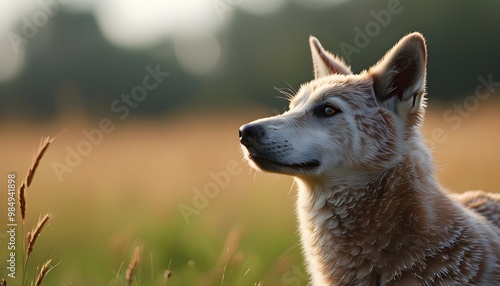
[157, 163]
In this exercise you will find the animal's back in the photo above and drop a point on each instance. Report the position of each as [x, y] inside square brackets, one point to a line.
[485, 204]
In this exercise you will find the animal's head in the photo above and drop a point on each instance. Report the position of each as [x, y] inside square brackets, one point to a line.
[342, 123]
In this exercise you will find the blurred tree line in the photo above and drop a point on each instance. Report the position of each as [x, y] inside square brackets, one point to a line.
[72, 66]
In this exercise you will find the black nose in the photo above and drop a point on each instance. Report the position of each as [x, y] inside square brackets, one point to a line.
[251, 133]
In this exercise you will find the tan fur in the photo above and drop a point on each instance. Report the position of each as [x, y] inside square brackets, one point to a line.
[370, 209]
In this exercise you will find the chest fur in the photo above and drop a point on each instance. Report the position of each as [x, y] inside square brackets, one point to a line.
[383, 236]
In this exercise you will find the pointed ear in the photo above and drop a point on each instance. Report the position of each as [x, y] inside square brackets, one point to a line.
[399, 78]
[324, 62]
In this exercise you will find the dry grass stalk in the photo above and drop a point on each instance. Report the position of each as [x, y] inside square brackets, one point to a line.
[22, 200]
[33, 235]
[44, 145]
[136, 258]
[43, 271]
[27, 242]
[167, 274]
[229, 250]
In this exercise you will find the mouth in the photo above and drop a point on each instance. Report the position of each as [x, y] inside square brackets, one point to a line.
[273, 165]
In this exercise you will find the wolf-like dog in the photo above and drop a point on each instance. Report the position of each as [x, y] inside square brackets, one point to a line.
[370, 209]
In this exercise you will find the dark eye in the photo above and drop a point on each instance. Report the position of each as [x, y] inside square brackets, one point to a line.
[329, 110]
[325, 110]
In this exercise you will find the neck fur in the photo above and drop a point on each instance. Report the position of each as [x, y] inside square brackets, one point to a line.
[371, 235]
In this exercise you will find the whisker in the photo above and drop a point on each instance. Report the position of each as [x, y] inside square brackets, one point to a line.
[291, 188]
[290, 87]
[285, 93]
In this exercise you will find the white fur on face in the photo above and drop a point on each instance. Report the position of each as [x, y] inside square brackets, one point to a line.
[359, 138]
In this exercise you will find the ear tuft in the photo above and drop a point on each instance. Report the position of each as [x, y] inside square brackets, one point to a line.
[324, 62]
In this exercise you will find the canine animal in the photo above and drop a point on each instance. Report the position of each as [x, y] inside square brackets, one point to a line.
[370, 209]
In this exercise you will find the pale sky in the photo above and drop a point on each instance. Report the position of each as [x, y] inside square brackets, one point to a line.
[136, 24]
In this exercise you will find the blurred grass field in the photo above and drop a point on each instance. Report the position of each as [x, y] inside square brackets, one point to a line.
[128, 190]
